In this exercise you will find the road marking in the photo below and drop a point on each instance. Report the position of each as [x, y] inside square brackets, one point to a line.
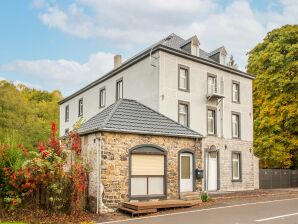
[198, 210]
[276, 217]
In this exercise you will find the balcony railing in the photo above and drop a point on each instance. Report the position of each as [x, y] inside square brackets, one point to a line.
[214, 90]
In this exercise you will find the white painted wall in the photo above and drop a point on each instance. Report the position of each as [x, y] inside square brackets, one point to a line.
[140, 82]
[169, 96]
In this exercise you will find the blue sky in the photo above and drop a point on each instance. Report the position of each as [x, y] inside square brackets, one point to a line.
[50, 44]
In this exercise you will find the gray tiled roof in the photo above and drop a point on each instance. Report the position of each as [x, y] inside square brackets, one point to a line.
[133, 117]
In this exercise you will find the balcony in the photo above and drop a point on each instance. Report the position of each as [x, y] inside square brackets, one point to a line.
[215, 91]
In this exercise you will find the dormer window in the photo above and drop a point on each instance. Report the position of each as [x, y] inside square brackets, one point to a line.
[119, 89]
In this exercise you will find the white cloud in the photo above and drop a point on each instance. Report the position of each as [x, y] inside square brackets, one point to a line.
[132, 22]
[17, 82]
[63, 74]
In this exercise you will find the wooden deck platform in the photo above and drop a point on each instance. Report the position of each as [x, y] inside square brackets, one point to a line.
[146, 207]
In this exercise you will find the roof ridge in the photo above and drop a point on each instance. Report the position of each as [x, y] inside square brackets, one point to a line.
[164, 116]
[110, 115]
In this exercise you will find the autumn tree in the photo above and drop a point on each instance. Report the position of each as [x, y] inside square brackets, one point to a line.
[26, 113]
[274, 61]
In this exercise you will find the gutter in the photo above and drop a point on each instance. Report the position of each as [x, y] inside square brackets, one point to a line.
[146, 53]
[98, 177]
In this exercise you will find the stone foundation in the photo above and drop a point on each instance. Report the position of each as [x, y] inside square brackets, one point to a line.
[249, 163]
[115, 163]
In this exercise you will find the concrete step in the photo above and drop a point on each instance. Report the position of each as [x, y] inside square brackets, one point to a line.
[190, 196]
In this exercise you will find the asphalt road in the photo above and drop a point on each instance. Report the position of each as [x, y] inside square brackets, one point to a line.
[283, 211]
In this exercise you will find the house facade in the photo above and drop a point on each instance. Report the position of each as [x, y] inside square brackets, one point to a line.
[178, 79]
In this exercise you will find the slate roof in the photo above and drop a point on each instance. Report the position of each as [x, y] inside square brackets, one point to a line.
[130, 116]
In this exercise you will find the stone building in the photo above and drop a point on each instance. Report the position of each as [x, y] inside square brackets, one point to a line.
[138, 154]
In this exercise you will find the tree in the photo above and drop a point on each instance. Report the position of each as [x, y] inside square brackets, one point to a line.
[232, 63]
[275, 91]
[26, 113]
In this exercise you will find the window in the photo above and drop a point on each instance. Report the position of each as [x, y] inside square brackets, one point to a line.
[211, 127]
[235, 125]
[119, 89]
[212, 84]
[67, 113]
[80, 107]
[183, 114]
[236, 169]
[102, 97]
[147, 172]
[235, 92]
[183, 78]
[66, 131]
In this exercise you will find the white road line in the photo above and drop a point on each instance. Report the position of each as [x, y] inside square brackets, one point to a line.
[276, 217]
[198, 210]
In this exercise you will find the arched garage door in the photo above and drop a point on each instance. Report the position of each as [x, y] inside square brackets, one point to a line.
[147, 172]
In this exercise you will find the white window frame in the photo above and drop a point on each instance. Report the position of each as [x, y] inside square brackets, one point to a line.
[119, 89]
[67, 113]
[80, 112]
[238, 161]
[102, 97]
[235, 92]
[185, 80]
[236, 125]
[213, 110]
[185, 114]
[211, 86]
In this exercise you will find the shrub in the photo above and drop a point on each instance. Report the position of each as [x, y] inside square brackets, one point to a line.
[43, 169]
[205, 197]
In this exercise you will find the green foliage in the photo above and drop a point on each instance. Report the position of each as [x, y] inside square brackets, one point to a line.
[26, 114]
[205, 197]
[275, 91]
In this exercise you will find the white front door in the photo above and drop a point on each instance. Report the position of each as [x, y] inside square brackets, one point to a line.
[212, 171]
[186, 172]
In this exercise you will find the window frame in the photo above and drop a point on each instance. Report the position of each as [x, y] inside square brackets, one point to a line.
[66, 113]
[80, 112]
[148, 149]
[187, 114]
[187, 69]
[239, 124]
[240, 166]
[214, 109]
[234, 82]
[66, 131]
[214, 76]
[104, 97]
[117, 94]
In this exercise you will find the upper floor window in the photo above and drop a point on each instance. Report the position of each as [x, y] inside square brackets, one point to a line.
[102, 97]
[183, 81]
[80, 107]
[66, 131]
[212, 84]
[211, 125]
[67, 113]
[119, 89]
[235, 125]
[183, 114]
[236, 166]
[235, 92]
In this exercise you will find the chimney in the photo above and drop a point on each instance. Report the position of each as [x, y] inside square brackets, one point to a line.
[117, 60]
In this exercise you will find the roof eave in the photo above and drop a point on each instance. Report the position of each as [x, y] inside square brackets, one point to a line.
[207, 62]
[139, 132]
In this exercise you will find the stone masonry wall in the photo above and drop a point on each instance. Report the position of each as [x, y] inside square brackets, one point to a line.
[115, 163]
[249, 163]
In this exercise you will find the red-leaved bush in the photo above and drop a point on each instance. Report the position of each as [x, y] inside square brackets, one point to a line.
[44, 169]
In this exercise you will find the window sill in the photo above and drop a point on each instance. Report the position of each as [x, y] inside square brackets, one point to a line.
[184, 90]
[102, 107]
[237, 180]
[238, 102]
[238, 138]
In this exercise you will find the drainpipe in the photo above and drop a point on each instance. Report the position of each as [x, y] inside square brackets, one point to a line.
[98, 176]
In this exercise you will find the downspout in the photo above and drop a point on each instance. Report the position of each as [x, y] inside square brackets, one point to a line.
[98, 176]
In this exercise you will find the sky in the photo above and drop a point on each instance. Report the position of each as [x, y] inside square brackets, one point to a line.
[64, 45]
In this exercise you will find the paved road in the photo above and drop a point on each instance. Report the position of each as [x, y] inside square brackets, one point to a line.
[283, 211]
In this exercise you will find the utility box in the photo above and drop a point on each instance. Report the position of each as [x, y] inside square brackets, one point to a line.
[199, 173]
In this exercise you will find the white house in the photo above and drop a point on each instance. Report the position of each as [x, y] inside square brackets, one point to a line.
[178, 79]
